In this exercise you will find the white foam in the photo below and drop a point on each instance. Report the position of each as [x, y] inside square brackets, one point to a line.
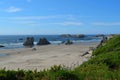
[55, 42]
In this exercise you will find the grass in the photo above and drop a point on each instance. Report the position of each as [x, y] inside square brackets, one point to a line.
[104, 65]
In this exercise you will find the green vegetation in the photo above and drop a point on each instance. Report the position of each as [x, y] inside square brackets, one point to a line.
[55, 73]
[104, 65]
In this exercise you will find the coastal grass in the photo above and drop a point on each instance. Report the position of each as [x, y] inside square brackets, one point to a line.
[104, 65]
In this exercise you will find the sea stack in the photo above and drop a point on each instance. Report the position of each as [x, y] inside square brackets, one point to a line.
[78, 36]
[72, 36]
[43, 41]
[29, 42]
[1, 46]
[66, 35]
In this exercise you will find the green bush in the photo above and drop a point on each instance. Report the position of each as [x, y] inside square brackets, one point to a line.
[111, 59]
[105, 64]
[61, 73]
[110, 46]
[2, 76]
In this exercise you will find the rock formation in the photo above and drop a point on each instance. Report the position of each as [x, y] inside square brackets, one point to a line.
[66, 35]
[73, 36]
[69, 42]
[1, 46]
[29, 42]
[79, 36]
[99, 35]
[43, 41]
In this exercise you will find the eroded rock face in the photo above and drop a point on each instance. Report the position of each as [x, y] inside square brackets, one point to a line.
[29, 42]
[43, 41]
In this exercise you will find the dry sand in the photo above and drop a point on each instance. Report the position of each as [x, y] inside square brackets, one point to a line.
[45, 56]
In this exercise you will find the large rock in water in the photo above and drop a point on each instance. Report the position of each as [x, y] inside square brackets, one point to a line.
[29, 42]
[43, 41]
[68, 42]
[1, 46]
[66, 35]
[100, 35]
[79, 36]
[72, 36]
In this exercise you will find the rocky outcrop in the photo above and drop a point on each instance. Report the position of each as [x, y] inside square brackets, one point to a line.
[1, 46]
[29, 42]
[73, 36]
[66, 35]
[68, 42]
[43, 41]
[99, 35]
[79, 36]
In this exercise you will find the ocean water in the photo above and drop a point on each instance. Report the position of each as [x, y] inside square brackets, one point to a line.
[13, 41]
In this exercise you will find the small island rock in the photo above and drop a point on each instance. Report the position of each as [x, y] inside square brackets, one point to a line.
[66, 35]
[29, 42]
[1, 46]
[99, 35]
[43, 41]
[72, 36]
[79, 36]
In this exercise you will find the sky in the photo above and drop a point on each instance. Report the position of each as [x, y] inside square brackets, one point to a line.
[39, 17]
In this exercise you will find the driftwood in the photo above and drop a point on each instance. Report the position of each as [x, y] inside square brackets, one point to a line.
[85, 53]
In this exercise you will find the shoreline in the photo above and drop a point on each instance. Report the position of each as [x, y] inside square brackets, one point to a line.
[43, 57]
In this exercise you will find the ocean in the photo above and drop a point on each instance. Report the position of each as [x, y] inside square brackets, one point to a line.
[16, 41]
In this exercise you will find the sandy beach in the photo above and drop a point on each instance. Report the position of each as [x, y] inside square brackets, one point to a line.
[45, 56]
